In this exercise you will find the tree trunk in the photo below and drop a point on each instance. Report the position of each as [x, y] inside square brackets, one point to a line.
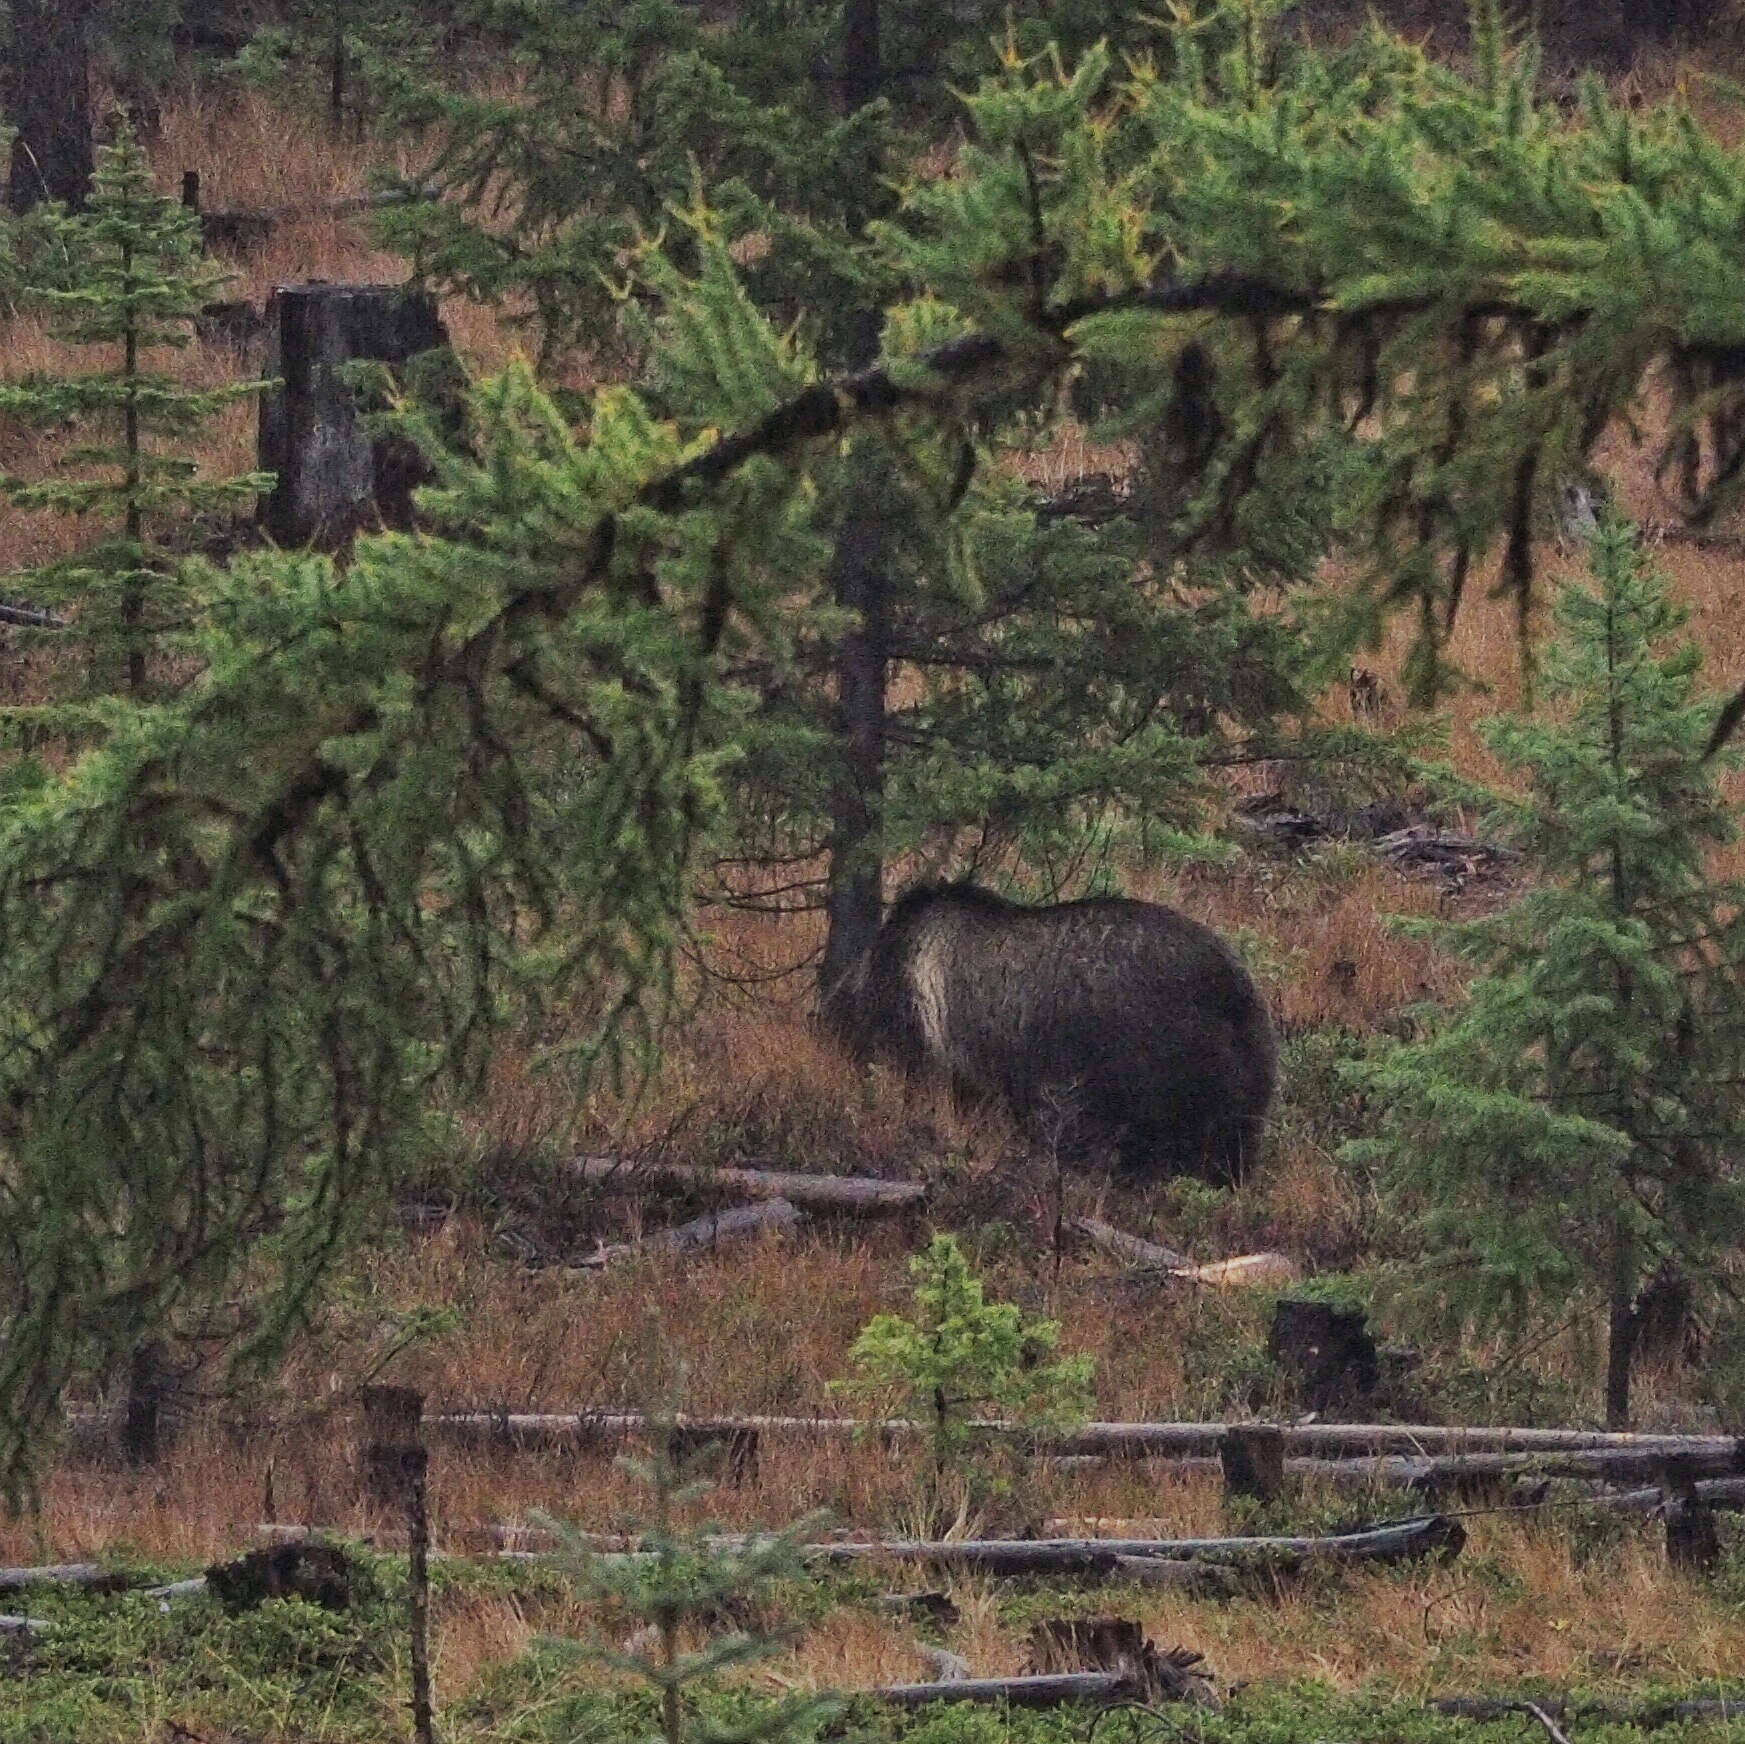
[333, 476]
[1622, 1326]
[860, 582]
[48, 99]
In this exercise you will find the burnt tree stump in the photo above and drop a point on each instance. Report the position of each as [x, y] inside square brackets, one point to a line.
[334, 476]
[391, 1455]
[149, 1379]
[1253, 1458]
[1326, 1352]
[47, 98]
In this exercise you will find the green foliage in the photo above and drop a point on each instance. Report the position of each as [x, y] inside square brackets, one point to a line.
[961, 1357]
[346, 57]
[618, 110]
[1455, 288]
[1568, 1127]
[248, 939]
[136, 283]
[112, 1666]
[685, 1579]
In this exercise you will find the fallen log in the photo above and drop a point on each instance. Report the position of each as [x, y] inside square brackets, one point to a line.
[1328, 1451]
[858, 1195]
[1401, 1541]
[1132, 1248]
[22, 1626]
[91, 1577]
[239, 226]
[703, 1233]
[1013, 1692]
[30, 617]
[1563, 1707]
[1725, 1493]
[1248, 1271]
[1243, 1269]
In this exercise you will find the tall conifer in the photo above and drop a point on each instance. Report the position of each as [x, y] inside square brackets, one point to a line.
[1570, 1127]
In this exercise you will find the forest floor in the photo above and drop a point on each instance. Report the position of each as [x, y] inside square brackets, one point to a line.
[473, 1301]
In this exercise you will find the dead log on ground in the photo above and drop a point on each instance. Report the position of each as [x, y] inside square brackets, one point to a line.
[249, 226]
[1014, 1692]
[857, 1195]
[90, 1577]
[1402, 1541]
[1120, 1645]
[15, 1627]
[1132, 1248]
[1242, 1269]
[1727, 1494]
[29, 617]
[704, 1233]
[1398, 1452]
[1562, 1707]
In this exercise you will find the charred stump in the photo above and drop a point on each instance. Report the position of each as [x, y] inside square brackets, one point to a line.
[322, 1574]
[149, 1379]
[391, 1454]
[47, 98]
[1326, 1352]
[1253, 1458]
[334, 475]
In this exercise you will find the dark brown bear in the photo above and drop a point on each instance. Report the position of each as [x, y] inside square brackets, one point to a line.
[1136, 1025]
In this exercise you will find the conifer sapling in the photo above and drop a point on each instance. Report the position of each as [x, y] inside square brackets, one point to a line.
[137, 284]
[1568, 1129]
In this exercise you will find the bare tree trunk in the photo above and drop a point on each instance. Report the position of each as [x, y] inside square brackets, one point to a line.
[1620, 1348]
[48, 99]
[860, 582]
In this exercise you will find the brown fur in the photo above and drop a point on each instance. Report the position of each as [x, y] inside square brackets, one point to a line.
[1108, 1022]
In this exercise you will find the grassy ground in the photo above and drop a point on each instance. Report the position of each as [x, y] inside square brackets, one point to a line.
[1560, 1596]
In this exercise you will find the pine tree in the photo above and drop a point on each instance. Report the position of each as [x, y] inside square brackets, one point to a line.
[137, 284]
[1570, 1127]
[677, 1583]
[961, 1357]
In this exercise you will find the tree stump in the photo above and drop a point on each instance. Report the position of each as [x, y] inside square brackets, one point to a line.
[333, 476]
[47, 98]
[391, 1453]
[1253, 1458]
[1326, 1352]
[1692, 1542]
[1667, 1329]
[148, 1383]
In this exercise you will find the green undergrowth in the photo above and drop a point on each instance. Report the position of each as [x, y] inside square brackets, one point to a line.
[126, 1667]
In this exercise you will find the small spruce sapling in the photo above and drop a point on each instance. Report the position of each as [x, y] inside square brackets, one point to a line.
[137, 284]
[675, 1588]
[961, 1357]
[1568, 1128]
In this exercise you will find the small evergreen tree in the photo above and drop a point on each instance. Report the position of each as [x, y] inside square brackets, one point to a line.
[137, 284]
[1568, 1129]
[961, 1356]
[677, 1581]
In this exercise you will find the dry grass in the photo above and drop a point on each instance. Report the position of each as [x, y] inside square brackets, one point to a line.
[768, 1328]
